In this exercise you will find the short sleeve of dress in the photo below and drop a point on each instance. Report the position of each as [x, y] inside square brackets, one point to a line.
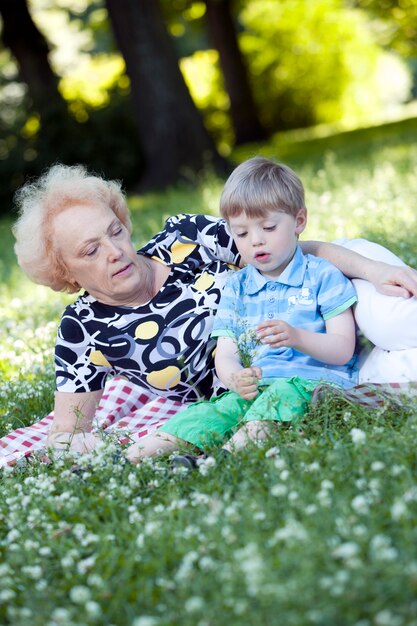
[209, 235]
[79, 366]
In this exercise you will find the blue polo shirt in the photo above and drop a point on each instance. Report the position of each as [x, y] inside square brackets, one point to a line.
[309, 291]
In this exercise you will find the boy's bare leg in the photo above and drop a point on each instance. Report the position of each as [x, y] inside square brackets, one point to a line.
[154, 445]
[255, 430]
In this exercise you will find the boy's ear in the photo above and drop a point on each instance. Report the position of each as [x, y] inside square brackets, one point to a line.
[300, 221]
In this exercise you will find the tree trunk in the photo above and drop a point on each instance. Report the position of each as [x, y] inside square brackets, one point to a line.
[243, 110]
[174, 139]
[30, 49]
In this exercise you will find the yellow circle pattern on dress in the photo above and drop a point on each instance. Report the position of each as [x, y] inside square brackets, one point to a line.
[98, 358]
[147, 330]
[164, 379]
[204, 282]
[180, 250]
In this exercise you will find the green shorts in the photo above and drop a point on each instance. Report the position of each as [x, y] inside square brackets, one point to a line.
[210, 422]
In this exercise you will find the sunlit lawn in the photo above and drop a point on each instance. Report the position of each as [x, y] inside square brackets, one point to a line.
[318, 528]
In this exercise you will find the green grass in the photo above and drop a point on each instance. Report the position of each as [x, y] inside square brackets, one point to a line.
[317, 527]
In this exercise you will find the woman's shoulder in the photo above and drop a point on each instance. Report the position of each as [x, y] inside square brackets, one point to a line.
[192, 235]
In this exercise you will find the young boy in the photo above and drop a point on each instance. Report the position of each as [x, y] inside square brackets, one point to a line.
[289, 313]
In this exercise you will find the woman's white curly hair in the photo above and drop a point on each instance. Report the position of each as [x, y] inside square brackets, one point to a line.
[58, 189]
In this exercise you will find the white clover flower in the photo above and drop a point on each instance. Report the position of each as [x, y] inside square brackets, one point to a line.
[33, 571]
[6, 595]
[346, 550]
[80, 594]
[272, 452]
[193, 604]
[324, 498]
[398, 510]
[93, 608]
[279, 463]
[326, 484]
[377, 466]
[292, 531]
[387, 618]
[95, 580]
[252, 566]
[411, 495]
[360, 530]
[12, 535]
[396, 470]
[61, 616]
[86, 564]
[284, 475]
[358, 436]
[205, 465]
[278, 490]
[313, 467]
[145, 620]
[360, 504]
[206, 563]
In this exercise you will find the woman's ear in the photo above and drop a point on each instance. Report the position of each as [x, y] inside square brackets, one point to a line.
[300, 221]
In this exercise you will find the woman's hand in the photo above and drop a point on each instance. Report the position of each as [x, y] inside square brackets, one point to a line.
[245, 382]
[392, 280]
[79, 442]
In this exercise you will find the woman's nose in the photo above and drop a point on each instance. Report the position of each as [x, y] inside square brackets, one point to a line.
[114, 251]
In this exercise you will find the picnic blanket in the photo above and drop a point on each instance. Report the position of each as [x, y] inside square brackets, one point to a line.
[125, 410]
[131, 413]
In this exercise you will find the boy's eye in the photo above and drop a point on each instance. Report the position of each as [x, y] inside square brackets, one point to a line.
[240, 235]
[270, 228]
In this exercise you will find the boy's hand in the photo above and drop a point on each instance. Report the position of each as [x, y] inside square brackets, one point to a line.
[245, 382]
[278, 334]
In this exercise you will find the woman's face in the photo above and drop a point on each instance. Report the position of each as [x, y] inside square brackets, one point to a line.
[99, 255]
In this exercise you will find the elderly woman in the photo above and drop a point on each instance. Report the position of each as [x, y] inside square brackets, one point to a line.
[145, 317]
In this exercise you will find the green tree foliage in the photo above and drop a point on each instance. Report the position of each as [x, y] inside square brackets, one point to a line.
[309, 63]
[396, 23]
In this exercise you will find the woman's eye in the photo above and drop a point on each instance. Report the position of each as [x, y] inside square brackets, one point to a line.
[91, 251]
[117, 231]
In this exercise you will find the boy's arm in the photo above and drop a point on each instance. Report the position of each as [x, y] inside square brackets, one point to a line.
[335, 347]
[389, 279]
[232, 373]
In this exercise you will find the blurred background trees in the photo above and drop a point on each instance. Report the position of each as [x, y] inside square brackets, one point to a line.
[154, 92]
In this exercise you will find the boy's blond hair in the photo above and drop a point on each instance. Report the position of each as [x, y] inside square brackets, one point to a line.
[260, 185]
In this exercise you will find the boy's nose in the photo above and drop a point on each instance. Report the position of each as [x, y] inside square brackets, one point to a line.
[257, 239]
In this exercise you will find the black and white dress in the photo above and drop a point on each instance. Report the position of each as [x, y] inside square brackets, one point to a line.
[163, 346]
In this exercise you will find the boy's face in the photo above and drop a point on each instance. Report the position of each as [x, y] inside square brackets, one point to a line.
[268, 243]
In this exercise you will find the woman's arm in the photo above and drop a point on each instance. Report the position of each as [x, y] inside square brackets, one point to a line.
[73, 421]
[391, 280]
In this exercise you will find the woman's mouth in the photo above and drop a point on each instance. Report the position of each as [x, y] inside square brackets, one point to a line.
[123, 271]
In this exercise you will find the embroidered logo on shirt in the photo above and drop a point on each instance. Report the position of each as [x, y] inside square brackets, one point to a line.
[303, 297]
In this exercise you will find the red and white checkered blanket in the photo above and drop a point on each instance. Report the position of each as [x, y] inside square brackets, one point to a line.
[132, 413]
[124, 409]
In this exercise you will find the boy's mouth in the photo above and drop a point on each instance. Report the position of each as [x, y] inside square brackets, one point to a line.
[262, 257]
